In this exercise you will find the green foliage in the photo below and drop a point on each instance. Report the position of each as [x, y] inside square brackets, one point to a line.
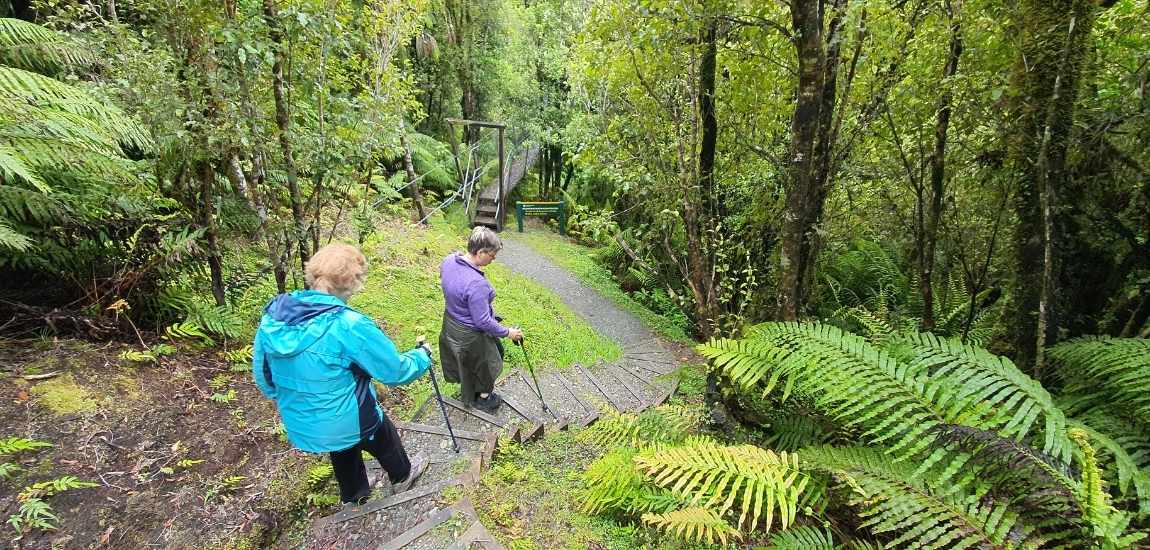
[715, 477]
[688, 486]
[35, 512]
[893, 498]
[14, 445]
[1114, 370]
[804, 537]
[962, 448]
[662, 425]
[912, 385]
[693, 524]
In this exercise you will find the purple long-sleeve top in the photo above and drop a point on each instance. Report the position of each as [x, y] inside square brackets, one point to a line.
[468, 295]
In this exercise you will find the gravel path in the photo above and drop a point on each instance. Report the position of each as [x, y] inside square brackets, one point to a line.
[638, 342]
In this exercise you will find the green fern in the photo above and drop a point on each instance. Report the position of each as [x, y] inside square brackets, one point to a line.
[188, 330]
[717, 477]
[913, 385]
[893, 500]
[30, 46]
[1107, 525]
[665, 424]
[1124, 446]
[1117, 369]
[694, 524]
[14, 445]
[805, 537]
[994, 390]
[613, 485]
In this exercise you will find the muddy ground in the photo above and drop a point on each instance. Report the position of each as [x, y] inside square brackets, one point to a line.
[185, 452]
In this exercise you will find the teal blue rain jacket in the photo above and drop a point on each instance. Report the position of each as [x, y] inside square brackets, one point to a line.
[315, 356]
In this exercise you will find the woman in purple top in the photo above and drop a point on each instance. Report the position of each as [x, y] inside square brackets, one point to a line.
[469, 343]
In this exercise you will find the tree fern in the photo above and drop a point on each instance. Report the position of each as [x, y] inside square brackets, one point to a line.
[694, 524]
[1116, 368]
[718, 477]
[892, 500]
[30, 46]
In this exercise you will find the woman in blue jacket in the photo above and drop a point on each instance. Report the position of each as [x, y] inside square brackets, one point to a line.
[316, 357]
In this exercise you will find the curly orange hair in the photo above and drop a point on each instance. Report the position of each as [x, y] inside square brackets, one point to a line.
[338, 267]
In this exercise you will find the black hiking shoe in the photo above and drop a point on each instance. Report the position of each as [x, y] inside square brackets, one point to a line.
[489, 404]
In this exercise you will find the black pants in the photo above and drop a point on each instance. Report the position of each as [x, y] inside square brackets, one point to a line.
[351, 473]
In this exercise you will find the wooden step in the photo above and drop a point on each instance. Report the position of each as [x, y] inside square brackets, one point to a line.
[353, 512]
[619, 406]
[488, 221]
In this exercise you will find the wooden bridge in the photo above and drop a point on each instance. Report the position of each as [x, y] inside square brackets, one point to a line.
[491, 202]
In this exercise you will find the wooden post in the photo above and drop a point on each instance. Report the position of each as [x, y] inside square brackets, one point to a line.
[502, 212]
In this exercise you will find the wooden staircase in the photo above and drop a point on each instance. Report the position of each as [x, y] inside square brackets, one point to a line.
[487, 211]
[409, 520]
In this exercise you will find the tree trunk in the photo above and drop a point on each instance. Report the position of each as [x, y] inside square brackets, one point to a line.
[938, 169]
[283, 124]
[710, 127]
[1046, 86]
[707, 117]
[207, 176]
[412, 184]
[810, 153]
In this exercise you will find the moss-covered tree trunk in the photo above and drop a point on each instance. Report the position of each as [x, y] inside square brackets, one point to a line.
[1053, 40]
[928, 240]
[810, 155]
[283, 124]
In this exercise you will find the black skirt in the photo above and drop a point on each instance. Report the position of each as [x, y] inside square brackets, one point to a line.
[471, 358]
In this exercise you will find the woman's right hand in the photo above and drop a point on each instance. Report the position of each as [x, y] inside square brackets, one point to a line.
[516, 335]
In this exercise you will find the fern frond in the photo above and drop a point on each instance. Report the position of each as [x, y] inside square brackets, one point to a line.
[893, 500]
[997, 394]
[20, 86]
[13, 445]
[612, 484]
[12, 239]
[806, 537]
[794, 431]
[665, 424]
[899, 407]
[716, 475]
[14, 168]
[31, 207]
[1107, 524]
[1127, 445]
[35, 48]
[1120, 367]
[694, 524]
[1042, 483]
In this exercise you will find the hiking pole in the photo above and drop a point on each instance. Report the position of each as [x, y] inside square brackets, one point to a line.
[535, 379]
[422, 341]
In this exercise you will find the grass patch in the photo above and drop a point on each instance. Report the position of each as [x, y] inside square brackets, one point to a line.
[578, 259]
[403, 293]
